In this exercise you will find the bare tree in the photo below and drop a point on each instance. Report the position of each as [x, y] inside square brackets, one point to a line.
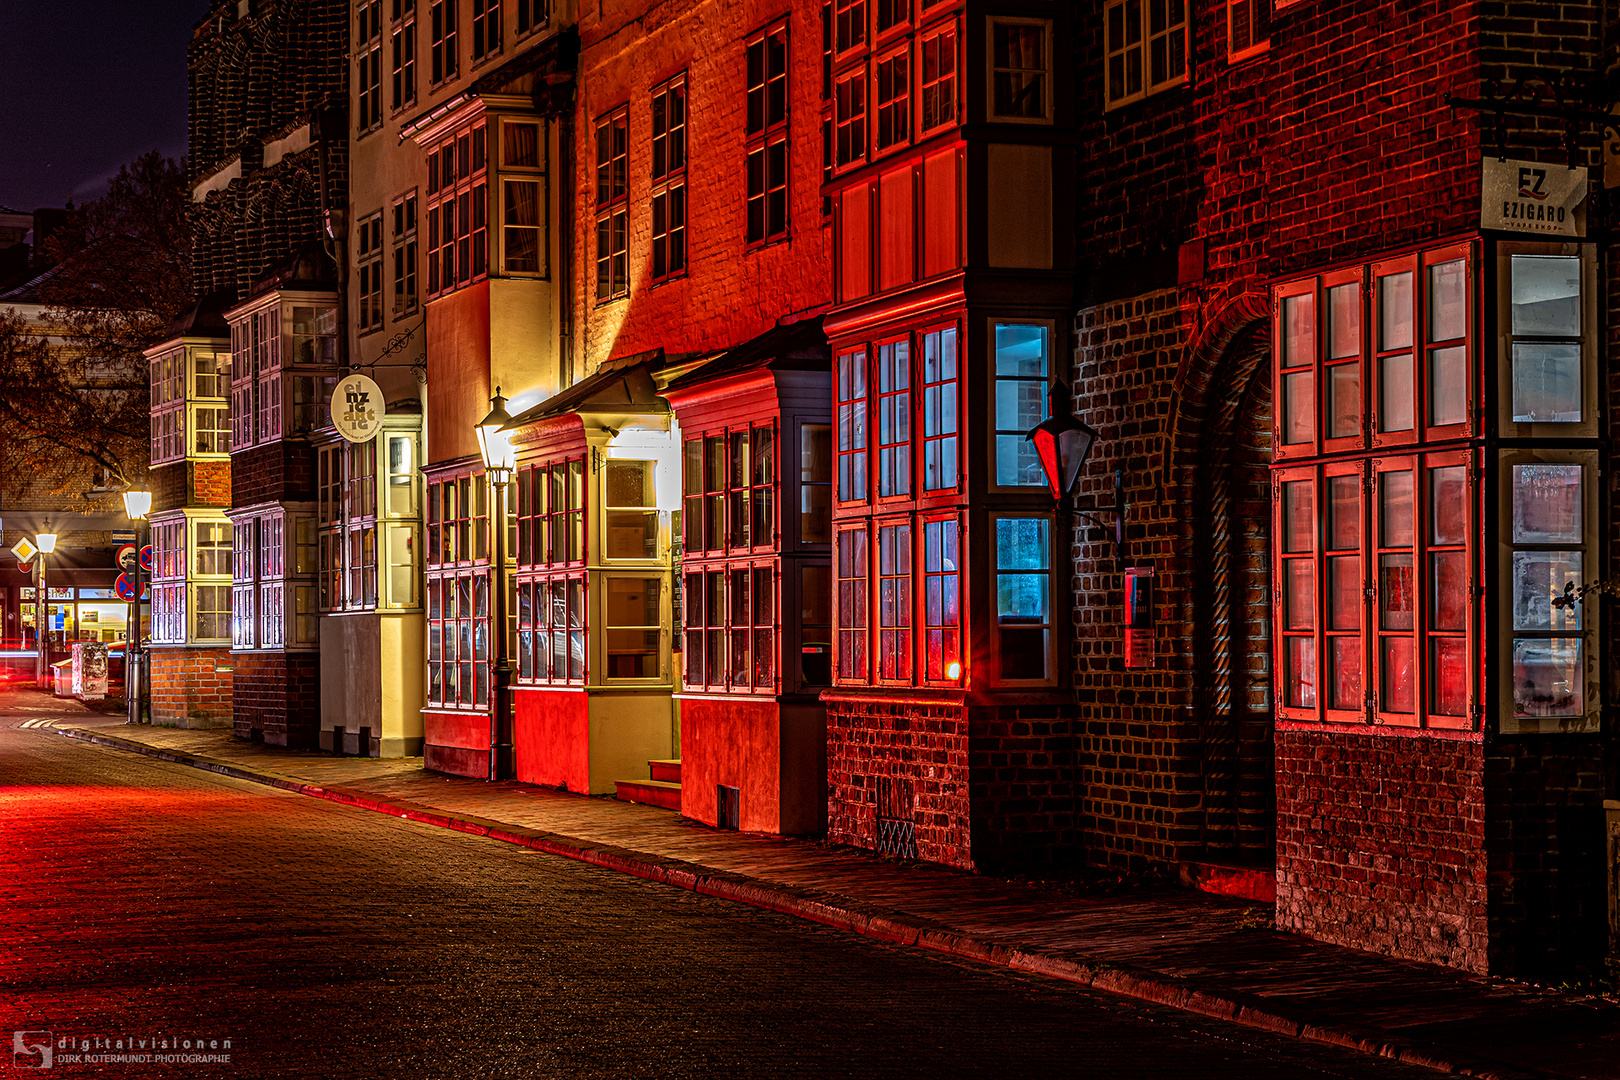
[77, 399]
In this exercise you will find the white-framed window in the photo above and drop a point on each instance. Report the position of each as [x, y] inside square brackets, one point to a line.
[442, 41]
[1020, 84]
[368, 51]
[1246, 28]
[766, 134]
[1144, 48]
[632, 627]
[532, 15]
[1022, 373]
[404, 53]
[937, 80]
[612, 204]
[523, 197]
[405, 250]
[1024, 595]
[486, 29]
[278, 352]
[668, 198]
[368, 256]
[211, 612]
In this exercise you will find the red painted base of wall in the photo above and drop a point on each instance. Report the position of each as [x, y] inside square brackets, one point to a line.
[456, 743]
[551, 738]
[773, 753]
[190, 687]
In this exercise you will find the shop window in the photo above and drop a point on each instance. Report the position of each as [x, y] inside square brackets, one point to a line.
[1144, 48]
[1023, 596]
[766, 135]
[1020, 389]
[458, 640]
[1020, 69]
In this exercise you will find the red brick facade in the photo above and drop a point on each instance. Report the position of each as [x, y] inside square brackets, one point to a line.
[278, 699]
[191, 687]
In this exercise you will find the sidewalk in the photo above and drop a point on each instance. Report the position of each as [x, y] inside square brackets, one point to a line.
[1188, 950]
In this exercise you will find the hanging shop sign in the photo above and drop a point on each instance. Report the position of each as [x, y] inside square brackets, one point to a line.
[1533, 197]
[1139, 629]
[357, 408]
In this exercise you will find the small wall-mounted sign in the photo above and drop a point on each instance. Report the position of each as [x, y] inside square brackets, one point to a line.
[1138, 627]
[357, 408]
[1533, 197]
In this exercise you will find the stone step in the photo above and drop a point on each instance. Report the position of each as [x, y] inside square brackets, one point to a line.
[668, 770]
[649, 793]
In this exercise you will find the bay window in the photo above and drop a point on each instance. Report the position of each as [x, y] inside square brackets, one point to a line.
[457, 210]
[551, 578]
[1021, 379]
[1023, 548]
[632, 626]
[282, 369]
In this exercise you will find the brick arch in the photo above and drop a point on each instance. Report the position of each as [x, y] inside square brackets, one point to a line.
[1207, 362]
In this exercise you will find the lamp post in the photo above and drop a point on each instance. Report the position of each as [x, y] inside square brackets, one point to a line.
[46, 542]
[500, 458]
[137, 504]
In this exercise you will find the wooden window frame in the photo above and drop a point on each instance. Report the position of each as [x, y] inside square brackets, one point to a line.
[765, 135]
[458, 210]
[946, 84]
[852, 616]
[368, 47]
[668, 204]
[443, 46]
[854, 482]
[403, 40]
[612, 204]
[1044, 71]
[1142, 46]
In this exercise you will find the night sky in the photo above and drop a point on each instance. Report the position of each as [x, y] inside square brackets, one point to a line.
[86, 87]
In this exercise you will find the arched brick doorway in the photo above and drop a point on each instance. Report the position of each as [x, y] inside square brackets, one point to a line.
[1231, 604]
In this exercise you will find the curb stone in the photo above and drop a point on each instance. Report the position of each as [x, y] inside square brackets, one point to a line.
[853, 916]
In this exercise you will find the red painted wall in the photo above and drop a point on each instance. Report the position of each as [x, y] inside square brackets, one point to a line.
[735, 743]
[551, 738]
[456, 743]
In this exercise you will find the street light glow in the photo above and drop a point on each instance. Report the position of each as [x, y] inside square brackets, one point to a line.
[137, 504]
[46, 542]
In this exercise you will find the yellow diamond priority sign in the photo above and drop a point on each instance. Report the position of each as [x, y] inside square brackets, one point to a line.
[24, 550]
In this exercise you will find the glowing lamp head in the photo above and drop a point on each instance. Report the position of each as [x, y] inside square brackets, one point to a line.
[137, 504]
[1061, 442]
[953, 670]
[46, 542]
[494, 442]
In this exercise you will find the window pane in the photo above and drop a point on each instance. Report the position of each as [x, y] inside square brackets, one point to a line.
[1547, 677]
[1448, 386]
[1546, 295]
[1395, 509]
[1299, 330]
[1344, 401]
[1344, 513]
[1301, 672]
[1448, 301]
[1448, 676]
[1448, 515]
[1299, 516]
[1449, 603]
[1540, 577]
[1546, 383]
[1546, 504]
[1395, 311]
[1344, 592]
[1397, 694]
[1021, 543]
[1395, 592]
[1300, 583]
[1395, 412]
[1299, 407]
[1345, 679]
[1344, 320]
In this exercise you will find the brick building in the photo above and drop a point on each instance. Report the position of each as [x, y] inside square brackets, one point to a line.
[1360, 435]
[239, 387]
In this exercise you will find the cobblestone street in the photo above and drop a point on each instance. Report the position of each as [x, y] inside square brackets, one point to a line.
[143, 899]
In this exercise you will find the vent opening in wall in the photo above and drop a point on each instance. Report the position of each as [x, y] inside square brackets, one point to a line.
[728, 807]
[896, 829]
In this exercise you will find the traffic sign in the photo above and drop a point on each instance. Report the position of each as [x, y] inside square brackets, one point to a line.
[125, 588]
[146, 558]
[124, 557]
[24, 550]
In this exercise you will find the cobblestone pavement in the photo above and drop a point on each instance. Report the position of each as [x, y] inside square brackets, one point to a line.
[142, 899]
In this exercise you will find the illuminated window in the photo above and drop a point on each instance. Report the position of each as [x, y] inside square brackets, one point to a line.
[523, 195]
[1020, 388]
[852, 570]
[942, 615]
[894, 602]
[852, 405]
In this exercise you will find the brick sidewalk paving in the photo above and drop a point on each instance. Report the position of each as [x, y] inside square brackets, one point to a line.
[1210, 954]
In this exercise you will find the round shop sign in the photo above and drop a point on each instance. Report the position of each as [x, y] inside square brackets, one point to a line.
[357, 408]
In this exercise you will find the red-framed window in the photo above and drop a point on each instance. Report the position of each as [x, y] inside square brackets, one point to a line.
[851, 559]
[942, 607]
[551, 615]
[728, 480]
[891, 97]
[458, 211]
[551, 620]
[668, 178]
[731, 627]
[852, 406]
[896, 614]
[894, 418]
[937, 78]
[613, 204]
[766, 134]
[849, 117]
[458, 639]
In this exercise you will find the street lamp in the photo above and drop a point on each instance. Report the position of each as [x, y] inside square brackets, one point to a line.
[500, 459]
[137, 504]
[1063, 443]
[46, 542]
